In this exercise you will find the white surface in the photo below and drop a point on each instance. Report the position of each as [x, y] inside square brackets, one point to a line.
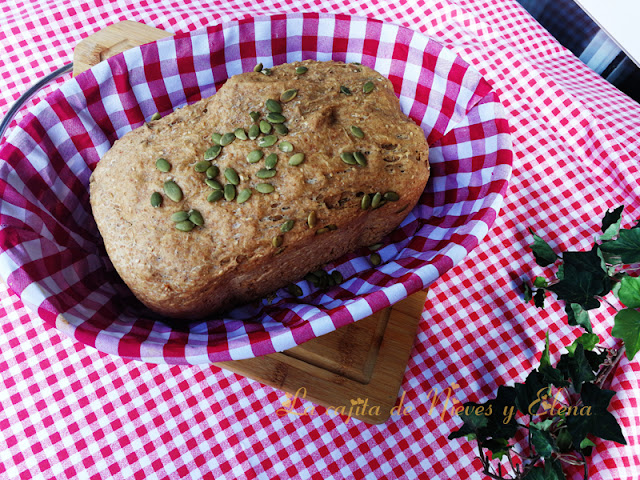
[620, 19]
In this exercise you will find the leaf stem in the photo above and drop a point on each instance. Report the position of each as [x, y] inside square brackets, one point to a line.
[604, 376]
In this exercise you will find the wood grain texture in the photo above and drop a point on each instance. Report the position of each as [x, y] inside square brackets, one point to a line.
[362, 361]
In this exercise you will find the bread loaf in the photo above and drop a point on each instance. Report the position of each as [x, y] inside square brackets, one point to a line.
[350, 166]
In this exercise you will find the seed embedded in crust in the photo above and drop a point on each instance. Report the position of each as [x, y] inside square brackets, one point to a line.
[266, 71]
[345, 90]
[365, 202]
[244, 195]
[280, 128]
[273, 106]
[179, 216]
[163, 165]
[232, 176]
[254, 116]
[240, 134]
[172, 190]
[212, 171]
[368, 87]
[267, 141]
[296, 159]
[312, 219]
[195, 217]
[391, 196]
[285, 146]
[265, 127]
[254, 156]
[288, 95]
[375, 201]
[277, 241]
[265, 188]
[227, 138]
[214, 184]
[212, 152]
[215, 196]
[337, 277]
[360, 158]
[156, 199]
[156, 116]
[348, 158]
[357, 131]
[287, 226]
[301, 70]
[322, 230]
[271, 161]
[258, 68]
[185, 226]
[229, 192]
[375, 259]
[202, 166]
[263, 173]
[273, 117]
[254, 131]
[294, 290]
[215, 138]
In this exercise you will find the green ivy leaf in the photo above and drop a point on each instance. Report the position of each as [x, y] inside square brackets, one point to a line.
[563, 440]
[599, 421]
[542, 252]
[588, 341]
[528, 392]
[626, 246]
[576, 367]
[473, 422]
[584, 279]
[629, 291]
[543, 425]
[626, 326]
[538, 298]
[543, 443]
[595, 359]
[560, 272]
[586, 443]
[528, 294]
[498, 447]
[554, 376]
[578, 316]
[611, 223]
[545, 359]
[540, 282]
[505, 399]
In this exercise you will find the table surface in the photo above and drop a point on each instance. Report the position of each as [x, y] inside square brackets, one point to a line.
[69, 411]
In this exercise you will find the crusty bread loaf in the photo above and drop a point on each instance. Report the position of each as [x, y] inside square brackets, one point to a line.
[243, 251]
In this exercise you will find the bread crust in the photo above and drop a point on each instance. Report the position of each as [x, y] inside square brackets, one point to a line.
[231, 259]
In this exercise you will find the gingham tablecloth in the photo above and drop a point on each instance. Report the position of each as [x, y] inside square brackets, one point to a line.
[68, 411]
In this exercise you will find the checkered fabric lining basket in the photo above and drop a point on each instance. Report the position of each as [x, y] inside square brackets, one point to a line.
[51, 252]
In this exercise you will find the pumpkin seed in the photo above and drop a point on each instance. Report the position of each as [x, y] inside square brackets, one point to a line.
[212, 152]
[240, 134]
[185, 226]
[212, 171]
[357, 131]
[311, 278]
[215, 196]
[156, 116]
[277, 241]
[322, 230]
[254, 156]
[267, 141]
[365, 202]
[312, 219]
[215, 138]
[232, 176]
[348, 158]
[287, 226]
[280, 128]
[156, 199]
[254, 131]
[229, 192]
[227, 138]
[172, 190]
[375, 201]
[244, 195]
[391, 196]
[332, 227]
[285, 146]
[202, 166]
[195, 217]
[271, 161]
[266, 71]
[361, 159]
[179, 216]
[337, 277]
[301, 70]
[288, 95]
[296, 159]
[254, 116]
[211, 183]
[163, 165]
[368, 87]
[294, 290]
[276, 117]
[265, 127]
[265, 188]
[273, 106]
[258, 68]
[375, 247]
[375, 259]
[264, 173]
[345, 90]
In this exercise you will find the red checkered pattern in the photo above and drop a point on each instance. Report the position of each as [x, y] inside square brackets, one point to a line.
[69, 411]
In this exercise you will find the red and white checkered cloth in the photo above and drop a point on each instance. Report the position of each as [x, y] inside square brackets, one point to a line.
[68, 411]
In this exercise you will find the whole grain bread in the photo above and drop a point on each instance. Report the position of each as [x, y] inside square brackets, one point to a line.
[241, 253]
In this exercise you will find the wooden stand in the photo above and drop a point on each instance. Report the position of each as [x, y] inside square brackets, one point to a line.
[361, 362]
